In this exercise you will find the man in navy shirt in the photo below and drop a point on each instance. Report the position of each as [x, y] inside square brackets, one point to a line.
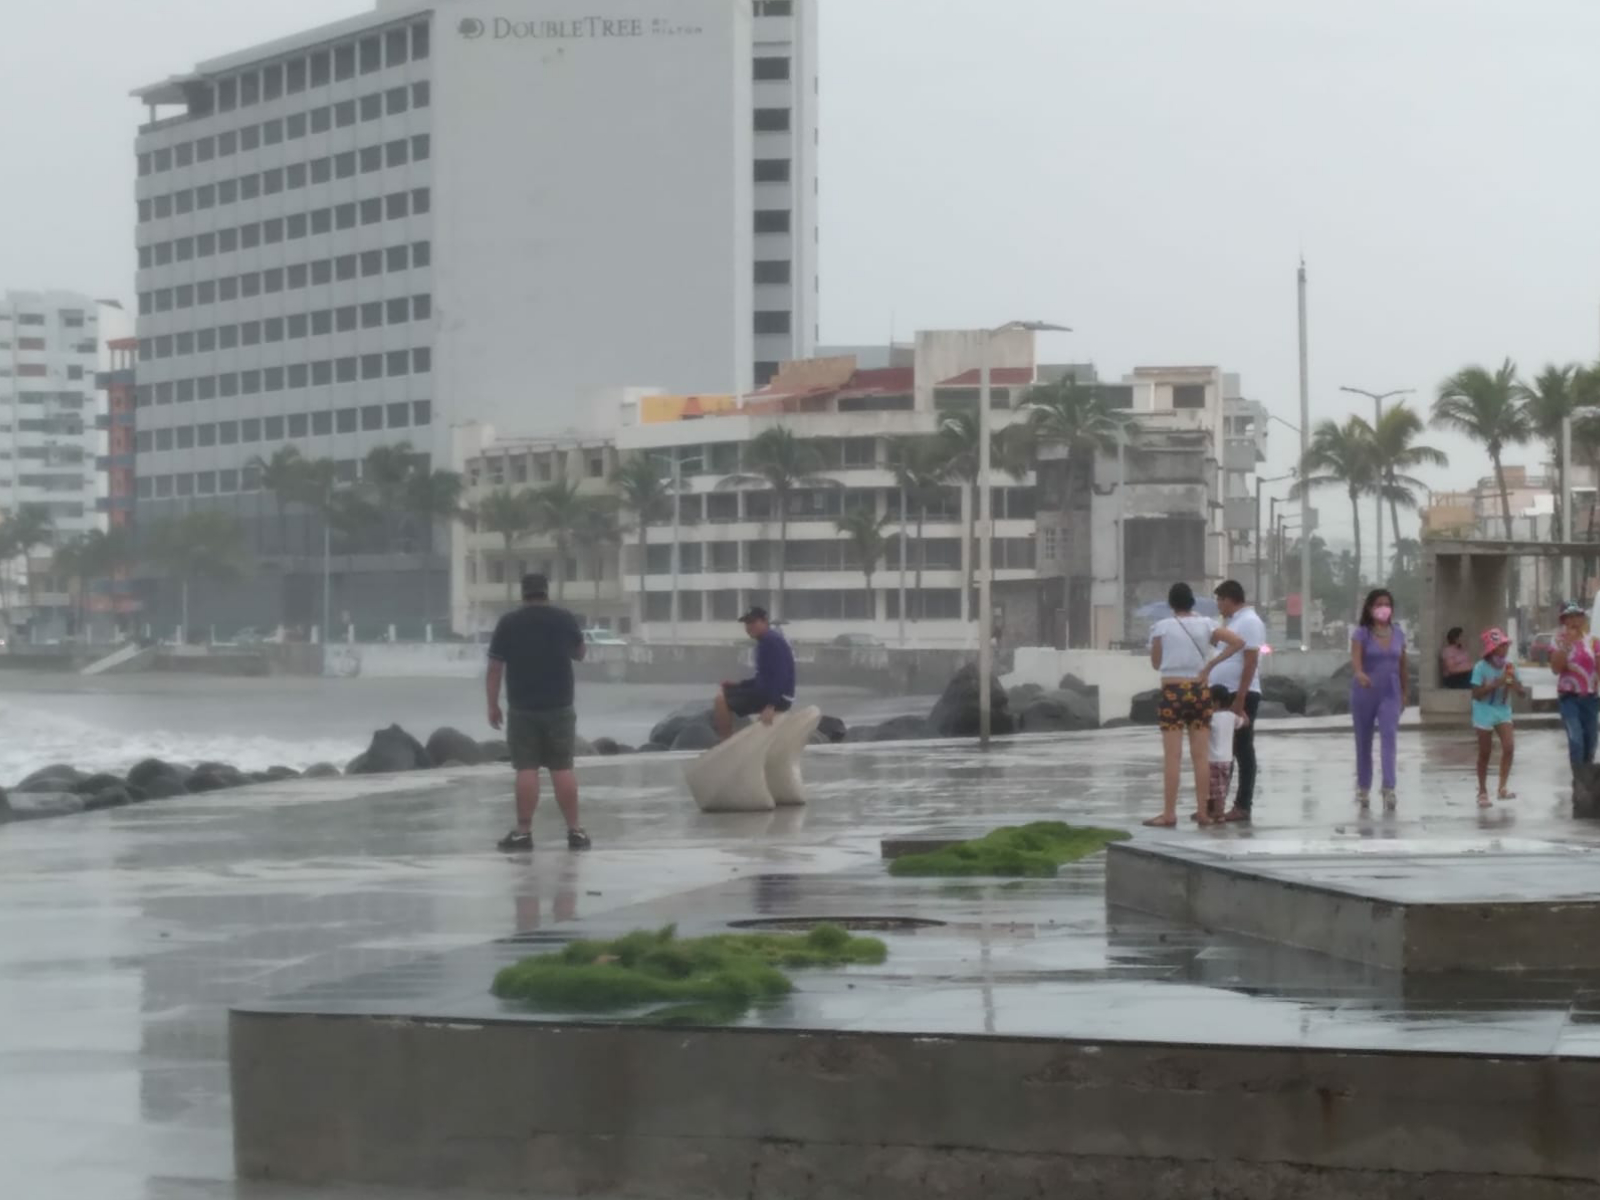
[771, 691]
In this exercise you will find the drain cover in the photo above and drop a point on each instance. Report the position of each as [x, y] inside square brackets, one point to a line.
[853, 924]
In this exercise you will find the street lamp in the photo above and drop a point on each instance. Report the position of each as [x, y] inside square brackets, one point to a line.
[1259, 483]
[1377, 399]
[985, 518]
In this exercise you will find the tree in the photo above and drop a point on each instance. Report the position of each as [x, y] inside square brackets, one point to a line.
[919, 465]
[559, 509]
[90, 557]
[387, 475]
[598, 532]
[779, 461]
[1010, 451]
[865, 532]
[203, 544]
[1342, 456]
[1078, 418]
[1395, 454]
[510, 515]
[1548, 402]
[645, 487]
[1488, 407]
[284, 475]
[28, 528]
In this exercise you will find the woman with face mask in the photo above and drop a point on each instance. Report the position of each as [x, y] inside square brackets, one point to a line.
[1493, 681]
[1377, 692]
[1575, 658]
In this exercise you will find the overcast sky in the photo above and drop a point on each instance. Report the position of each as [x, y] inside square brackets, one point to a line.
[1146, 171]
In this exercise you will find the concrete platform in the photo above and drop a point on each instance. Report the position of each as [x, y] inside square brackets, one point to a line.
[1405, 904]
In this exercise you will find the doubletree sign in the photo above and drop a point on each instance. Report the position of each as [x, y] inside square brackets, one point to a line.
[572, 29]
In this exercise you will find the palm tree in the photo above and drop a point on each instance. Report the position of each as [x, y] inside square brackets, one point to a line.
[559, 510]
[1395, 454]
[92, 556]
[511, 515]
[71, 562]
[1488, 407]
[28, 528]
[599, 532]
[205, 543]
[386, 474]
[919, 465]
[784, 464]
[1010, 450]
[865, 533]
[1342, 455]
[645, 488]
[1065, 413]
[1548, 402]
[284, 476]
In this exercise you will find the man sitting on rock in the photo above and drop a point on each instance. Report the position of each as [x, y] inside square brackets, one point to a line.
[771, 691]
[533, 650]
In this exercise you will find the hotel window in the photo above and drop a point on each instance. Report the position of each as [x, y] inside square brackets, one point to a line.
[295, 75]
[272, 82]
[399, 363]
[397, 100]
[250, 137]
[372, 366]
[371, 159]
[419, 40]
[396, 257]
[772, 220]
[772, 170]
[295, 228]
[297, 425]
[321, 119]
[776, 68]
[183, 154]
[421, 201]
[227, 241]
[399, 415]
[371, 211]
[344, 113]
[396, 152]
[399, 311]
[371, 263]
[346, 318]
[227, 95]
[321, 322]
[227, 191]
[321, 69]
[421, 308]
[372, 106]
[421, 360]
[344, 165]
[272, 429]
[272, 181]
[299, 375]
[272, 132]
[371, 417]
[206, 387]
[421, 147]
[294, 126]
[228, 480]
[296, 325]
[421, 412]
[249, 88]
[227, 143]
[272, 329]
[322, 372]
[205, 149]
[344, 62]
[772, 120]
[396, 48]
[421, 94]
[372, 314]
[346, 370]
[421, 254]
[397, 205]
[321, 423]
[371, 55]
[773, 271]
[347, 419]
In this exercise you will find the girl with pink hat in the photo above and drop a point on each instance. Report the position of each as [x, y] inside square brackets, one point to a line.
[1493, 681]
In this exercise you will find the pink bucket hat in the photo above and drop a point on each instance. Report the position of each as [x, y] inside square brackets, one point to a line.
[1493, 639]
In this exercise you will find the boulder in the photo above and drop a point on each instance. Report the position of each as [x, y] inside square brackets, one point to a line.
[445, 744]
[1344, 671]
[1271, 710]
[653, 748]
[956, 713]
[1071, 683]
[203, 781]
[1024, 694]
[32, 806]
[832, 729]
[257, 777]
[115, 796]
[277, 773]
[1280, 689]
[225, 773]
[1146, 708]
[582, 747]
[901, 729]
[320, 771]
[452, 765]
[495, 750]
[356, 766]
[1060, 711]
[58, 777]
[151, 769]
[607, 747]
[1328, 698]
[95, 783]
[695, 737]
[164, 787]
[694, 713]
[392, 749]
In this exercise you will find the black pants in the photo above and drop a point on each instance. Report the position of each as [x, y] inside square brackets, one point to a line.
[1244, 751]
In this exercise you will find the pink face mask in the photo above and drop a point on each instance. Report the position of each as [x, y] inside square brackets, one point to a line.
[1382, 613]
[1497, 660]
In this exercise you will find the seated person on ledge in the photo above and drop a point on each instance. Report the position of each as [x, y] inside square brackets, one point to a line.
[771, 691]
[1455, 662]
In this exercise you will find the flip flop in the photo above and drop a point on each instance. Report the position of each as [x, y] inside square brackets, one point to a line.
[1505, 795]
[1162, 823]
[1483, 800]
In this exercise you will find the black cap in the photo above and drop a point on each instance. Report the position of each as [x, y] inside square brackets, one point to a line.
[535, 587]
[756, 613]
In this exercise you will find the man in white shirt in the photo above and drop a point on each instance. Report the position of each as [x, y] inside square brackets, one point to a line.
[1240, 678]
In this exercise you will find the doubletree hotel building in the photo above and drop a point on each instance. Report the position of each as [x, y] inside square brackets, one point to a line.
[374, 230]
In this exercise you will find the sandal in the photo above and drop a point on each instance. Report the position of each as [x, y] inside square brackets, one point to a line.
[1162, 822]
[1483, 800]
[1205, 819]
[1505, 795]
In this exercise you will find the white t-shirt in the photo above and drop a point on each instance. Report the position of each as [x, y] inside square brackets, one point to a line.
[1185, 645]
[1247, 623]
[1222, 726]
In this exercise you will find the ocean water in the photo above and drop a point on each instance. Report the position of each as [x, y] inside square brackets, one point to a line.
[108, 724]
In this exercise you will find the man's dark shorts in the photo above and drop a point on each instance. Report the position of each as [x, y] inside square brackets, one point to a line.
[542, 739]
[746, 701]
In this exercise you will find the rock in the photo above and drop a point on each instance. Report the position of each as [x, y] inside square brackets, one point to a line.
[277, 773]
[902, 729]
[653, 748]
[164, 787]
[861, 733]
[956, 713]
[356, 766]
[1344, 671]
[1280, 689]
[832, 729]
[320, 771]
[135, 795]
[392, 749]
[95, 783]
[1024, 694]
[445, 744]
[203, 781]
[453, 765]
[582, 747]
[695, 737]
[1071, 683]
[1328, 698]
[1146, 708]
[694, 713]
[153, 768]
[1060, 712]
[58, 777]
[495, 750]
[1270, 710]
[257, 777]
[607, 747]
[1119, 723]
[32, 806]
[817, 738]
[225, 773]
[112, 797]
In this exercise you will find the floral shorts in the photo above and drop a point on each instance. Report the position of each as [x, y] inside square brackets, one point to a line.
[1185, 705]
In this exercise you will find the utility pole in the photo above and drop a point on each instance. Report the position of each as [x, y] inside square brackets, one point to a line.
[1305, 448]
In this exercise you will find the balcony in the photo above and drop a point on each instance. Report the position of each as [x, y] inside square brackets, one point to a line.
[1241, 454]
[1239, 514]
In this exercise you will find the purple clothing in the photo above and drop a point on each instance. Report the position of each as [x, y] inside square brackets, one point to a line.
[774, 676]
[1377, 707]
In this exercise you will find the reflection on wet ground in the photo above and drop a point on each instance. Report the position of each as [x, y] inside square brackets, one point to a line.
[127, 934]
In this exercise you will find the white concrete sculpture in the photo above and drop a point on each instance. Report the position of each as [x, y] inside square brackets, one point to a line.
[757, 768]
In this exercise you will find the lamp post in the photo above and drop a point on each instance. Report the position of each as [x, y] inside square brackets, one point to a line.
[985, 519]
[1259, 483]
[1377, 399]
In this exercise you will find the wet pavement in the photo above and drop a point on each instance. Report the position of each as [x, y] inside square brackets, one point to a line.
[127, 934]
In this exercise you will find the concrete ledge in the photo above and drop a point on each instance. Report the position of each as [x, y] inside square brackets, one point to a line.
[560, 1110]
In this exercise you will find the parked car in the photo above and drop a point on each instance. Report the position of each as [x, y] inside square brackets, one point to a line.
[604, 637]
[1539, 649]
[857, 639]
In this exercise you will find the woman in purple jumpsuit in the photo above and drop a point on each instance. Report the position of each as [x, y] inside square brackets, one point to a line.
[1377, 692]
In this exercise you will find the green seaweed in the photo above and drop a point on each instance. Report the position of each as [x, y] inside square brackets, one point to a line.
[1026, 851]
[707, 978]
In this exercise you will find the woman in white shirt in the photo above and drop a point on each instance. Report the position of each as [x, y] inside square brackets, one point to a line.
[1180, 648]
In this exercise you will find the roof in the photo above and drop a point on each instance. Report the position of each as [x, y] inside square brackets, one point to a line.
[998, 377]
